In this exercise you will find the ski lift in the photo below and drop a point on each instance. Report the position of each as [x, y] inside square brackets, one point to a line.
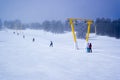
[74, 21]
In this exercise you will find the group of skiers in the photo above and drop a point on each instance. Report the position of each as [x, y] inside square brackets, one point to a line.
[33, 40]
[14, 33]
[51, 43]
[89, 47]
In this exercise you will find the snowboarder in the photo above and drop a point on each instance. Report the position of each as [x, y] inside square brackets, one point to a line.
[51, 44]
[33, 40]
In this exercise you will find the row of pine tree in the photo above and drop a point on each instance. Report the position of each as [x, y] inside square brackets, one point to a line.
[102, 26]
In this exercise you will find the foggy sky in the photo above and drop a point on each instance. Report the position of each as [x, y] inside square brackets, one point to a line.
[40, 10]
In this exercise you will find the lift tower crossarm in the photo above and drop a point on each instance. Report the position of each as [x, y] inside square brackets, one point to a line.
[88, 21]
[81, 19]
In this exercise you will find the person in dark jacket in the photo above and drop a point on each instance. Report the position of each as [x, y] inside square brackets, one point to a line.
[33, 40]
[23, 36]
[90, 47]
[17, 33]
[51, 44]
[13, 32]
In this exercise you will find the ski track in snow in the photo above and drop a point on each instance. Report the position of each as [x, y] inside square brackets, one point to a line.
[22, 59]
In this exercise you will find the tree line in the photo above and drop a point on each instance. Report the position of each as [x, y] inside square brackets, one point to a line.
[108, 27]
[104, 26]
[49, 26]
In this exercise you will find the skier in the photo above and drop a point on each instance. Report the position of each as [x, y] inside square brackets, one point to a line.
[51, 44]
[17, 33]
[23, 36]
[90, 47]
[13, 32]
[33, 40]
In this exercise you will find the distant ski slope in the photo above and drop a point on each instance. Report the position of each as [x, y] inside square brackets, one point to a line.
[22, 59]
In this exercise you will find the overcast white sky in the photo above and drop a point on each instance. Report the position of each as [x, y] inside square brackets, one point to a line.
[40, 10]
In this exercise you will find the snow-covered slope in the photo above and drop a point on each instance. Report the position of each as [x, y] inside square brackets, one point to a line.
[22, 59]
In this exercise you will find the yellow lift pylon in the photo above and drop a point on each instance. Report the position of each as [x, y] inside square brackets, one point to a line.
[89, 22]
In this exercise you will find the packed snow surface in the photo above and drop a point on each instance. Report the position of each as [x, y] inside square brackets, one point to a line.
[22, 59]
